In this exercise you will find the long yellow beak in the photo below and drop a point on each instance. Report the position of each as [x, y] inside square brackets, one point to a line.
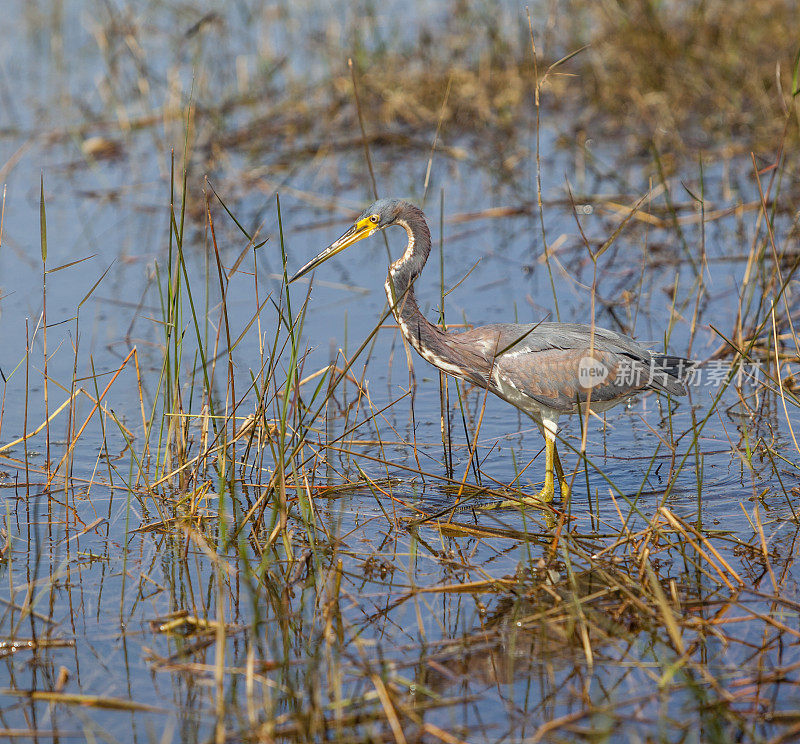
[362, 229]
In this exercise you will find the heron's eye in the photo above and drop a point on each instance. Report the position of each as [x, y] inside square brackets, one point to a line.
[374, 218]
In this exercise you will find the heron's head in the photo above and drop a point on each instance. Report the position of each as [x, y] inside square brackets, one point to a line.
[376, 216]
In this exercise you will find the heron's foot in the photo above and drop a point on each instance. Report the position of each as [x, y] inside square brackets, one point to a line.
[536, 500]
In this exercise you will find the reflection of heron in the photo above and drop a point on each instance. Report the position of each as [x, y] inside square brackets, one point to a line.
[544, 370]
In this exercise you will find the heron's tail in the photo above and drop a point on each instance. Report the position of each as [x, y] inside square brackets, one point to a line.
[671, 374]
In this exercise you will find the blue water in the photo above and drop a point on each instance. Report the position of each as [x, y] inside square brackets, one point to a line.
[103, 587]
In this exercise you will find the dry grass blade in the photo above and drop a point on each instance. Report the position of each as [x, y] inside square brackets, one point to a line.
[667, 613]
[389, 709]
[685, 529]
[44, 423]
[90, 701]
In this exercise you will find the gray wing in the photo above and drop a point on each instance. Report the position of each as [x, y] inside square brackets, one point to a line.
[551, 363]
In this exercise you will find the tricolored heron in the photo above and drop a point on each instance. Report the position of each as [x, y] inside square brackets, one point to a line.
[545, 370]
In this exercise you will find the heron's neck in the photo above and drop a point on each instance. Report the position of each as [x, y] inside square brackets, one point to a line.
[431, 342]
[403, 272]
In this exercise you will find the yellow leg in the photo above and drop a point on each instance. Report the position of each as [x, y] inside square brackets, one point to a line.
[545, 496]
[548, 490]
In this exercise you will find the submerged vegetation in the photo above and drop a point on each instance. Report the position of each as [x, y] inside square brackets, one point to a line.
[220, 525]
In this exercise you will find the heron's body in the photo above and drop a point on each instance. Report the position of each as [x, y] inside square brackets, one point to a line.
[543, 369]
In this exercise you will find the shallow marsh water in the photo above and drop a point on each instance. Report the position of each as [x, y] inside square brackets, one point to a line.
[476, 631]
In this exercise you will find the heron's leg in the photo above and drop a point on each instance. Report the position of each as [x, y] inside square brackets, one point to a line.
[545, 496]
[551, 457]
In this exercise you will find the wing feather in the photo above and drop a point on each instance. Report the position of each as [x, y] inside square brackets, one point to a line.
[558, 365]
